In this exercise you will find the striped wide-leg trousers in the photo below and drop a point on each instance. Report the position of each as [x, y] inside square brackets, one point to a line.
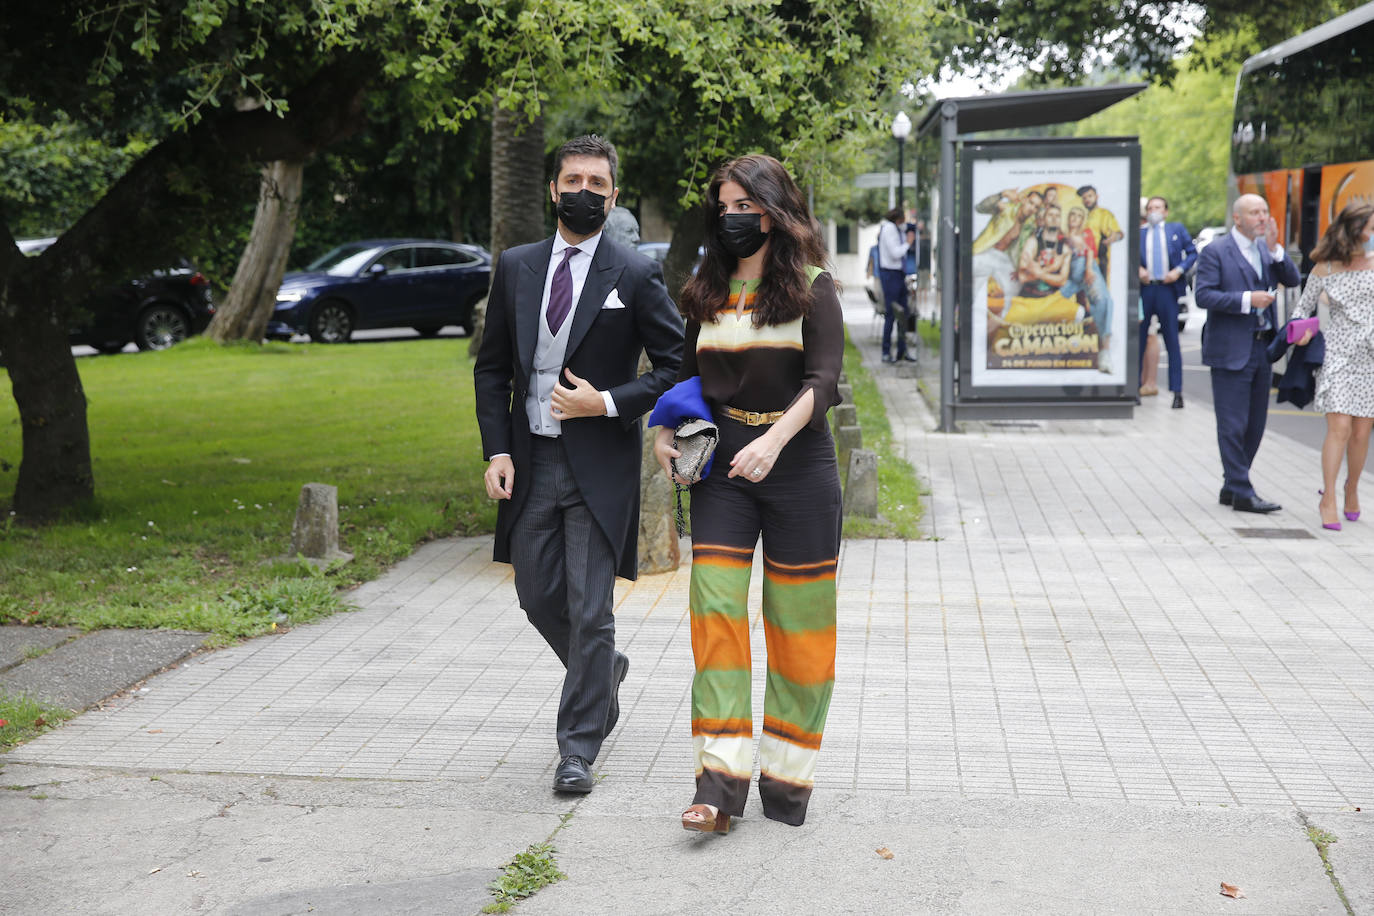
[796, 510]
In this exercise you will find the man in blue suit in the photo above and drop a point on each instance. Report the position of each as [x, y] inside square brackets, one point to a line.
[1166, 253]
[1237, 276]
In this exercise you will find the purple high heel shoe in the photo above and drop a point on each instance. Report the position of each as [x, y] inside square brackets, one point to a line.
[1331, 526]
[1352, 516]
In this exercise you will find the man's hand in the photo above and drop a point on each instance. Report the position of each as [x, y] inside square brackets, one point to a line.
[1271, 234]
[500, 477]
[1173, 274]
[1144, 275]
[1260, 299]
[581, 400]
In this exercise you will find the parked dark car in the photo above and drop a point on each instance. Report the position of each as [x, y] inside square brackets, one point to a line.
[423, 284]
[155, 312]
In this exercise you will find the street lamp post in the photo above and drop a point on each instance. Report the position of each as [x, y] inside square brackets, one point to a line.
[901, 129]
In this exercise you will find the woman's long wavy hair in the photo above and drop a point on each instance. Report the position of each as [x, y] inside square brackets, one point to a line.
[784, 293]
[1342, 243]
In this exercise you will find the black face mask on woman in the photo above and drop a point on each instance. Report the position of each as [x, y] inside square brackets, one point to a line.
[582, 211]
[741, 234]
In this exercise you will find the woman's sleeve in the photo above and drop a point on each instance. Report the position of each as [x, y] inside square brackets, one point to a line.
[822, 349]
[689, 351]
[1307, 305]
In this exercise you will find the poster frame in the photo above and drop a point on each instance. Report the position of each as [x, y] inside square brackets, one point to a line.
[1051, 150]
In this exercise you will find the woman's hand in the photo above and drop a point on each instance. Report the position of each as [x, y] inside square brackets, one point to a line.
[1305, 339]
[665, 453]
[756, 460]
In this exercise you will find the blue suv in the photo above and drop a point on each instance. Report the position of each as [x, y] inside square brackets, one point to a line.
[425, 284]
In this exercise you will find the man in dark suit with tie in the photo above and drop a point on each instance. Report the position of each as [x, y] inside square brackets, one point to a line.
[558, 404]
[1237, 276]
[1166, 253]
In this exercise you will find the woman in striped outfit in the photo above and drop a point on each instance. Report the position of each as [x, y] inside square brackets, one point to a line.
[765, 333]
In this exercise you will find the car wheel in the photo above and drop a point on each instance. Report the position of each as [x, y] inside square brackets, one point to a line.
[331, 322]
[161, 326]
[430, 331]
[110, 348]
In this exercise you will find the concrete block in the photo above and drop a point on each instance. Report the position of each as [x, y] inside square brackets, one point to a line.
[846, 415]
[315, 534]
[861, 484]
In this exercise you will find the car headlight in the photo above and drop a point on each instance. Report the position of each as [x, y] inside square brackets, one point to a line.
[291, 295]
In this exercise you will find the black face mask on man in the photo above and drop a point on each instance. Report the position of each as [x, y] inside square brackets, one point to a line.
[582, 211]
[741, 234]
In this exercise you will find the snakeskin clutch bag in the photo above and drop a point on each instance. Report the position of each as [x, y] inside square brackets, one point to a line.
[696, 440]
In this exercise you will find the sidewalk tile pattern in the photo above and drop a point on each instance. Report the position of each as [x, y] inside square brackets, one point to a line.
[1084, 621]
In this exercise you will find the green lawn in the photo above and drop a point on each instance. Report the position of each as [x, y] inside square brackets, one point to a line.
[899, 492]
[199, 455]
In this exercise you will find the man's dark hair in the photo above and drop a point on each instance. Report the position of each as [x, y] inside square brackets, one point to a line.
[587, 145]
[1161, 199]
[1086, 187]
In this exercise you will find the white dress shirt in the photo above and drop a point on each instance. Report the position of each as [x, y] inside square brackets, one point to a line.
[1246, 246]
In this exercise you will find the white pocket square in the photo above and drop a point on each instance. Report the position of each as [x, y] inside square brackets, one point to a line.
[613, 301]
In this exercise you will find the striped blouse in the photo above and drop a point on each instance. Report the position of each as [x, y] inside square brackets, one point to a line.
[766, 369]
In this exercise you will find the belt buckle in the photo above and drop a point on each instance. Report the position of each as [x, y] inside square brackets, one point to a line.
[753, 418]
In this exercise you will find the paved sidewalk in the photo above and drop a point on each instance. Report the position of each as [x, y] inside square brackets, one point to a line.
[1088, 691]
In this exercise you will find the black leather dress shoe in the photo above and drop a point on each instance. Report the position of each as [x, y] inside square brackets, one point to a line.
[1253, 504]
[1225, 497]
[573, 775]
[1178, 400]
[619, 669]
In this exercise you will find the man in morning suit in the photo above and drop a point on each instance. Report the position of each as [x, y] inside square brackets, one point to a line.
[1166, 253]
[558, 405]
[1236, 279]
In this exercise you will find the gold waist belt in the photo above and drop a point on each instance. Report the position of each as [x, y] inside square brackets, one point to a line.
[752, 418]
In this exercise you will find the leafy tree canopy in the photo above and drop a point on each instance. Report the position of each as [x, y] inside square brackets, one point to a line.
[1071, 38]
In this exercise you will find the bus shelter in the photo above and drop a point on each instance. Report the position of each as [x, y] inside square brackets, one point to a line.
[1035, 258]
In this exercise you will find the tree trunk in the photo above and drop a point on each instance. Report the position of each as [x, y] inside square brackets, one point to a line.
[166, 198]
[658, 542]
[518, 191]
[55, 467]
[253, 293]
[682, 253]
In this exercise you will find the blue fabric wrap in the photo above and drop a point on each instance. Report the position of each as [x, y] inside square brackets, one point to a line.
[683, 401]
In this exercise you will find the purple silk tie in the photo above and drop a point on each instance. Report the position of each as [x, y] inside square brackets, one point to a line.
[560, 292]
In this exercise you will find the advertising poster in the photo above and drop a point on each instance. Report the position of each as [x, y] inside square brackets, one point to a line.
[1050, 271]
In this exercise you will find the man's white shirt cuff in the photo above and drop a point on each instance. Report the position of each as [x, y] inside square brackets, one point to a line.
[610, 404]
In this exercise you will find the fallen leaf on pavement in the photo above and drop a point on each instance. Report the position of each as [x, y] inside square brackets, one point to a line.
[154, 731]
[1230, 890]
[884, 852]
[155, 870]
